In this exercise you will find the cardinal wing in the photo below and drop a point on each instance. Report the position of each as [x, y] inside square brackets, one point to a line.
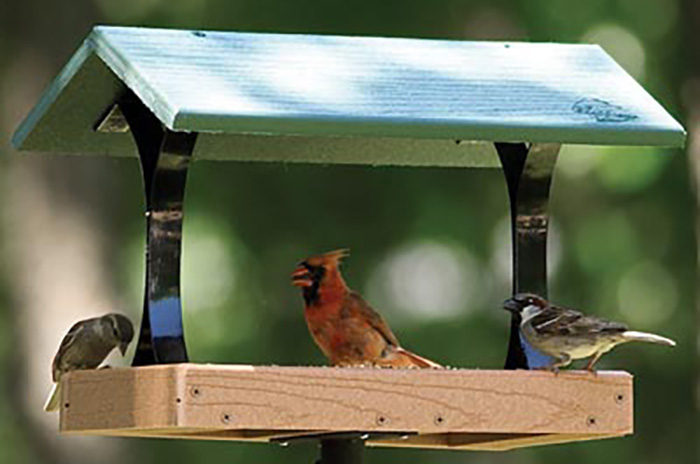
[357, 304]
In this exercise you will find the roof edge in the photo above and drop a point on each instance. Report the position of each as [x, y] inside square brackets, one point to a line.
[117, 63]
[51, 93]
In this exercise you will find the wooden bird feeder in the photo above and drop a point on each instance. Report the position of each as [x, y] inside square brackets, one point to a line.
[171, 96]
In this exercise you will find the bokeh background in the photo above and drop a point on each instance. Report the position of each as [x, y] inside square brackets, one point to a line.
[431, 247]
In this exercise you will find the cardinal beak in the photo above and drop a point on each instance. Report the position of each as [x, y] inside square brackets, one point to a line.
[122, 348]
[301, 277]
[511, 305]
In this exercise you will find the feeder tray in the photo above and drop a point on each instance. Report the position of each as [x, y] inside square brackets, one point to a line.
[452, 409]
[173, 96]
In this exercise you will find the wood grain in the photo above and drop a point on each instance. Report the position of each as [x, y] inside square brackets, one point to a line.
[459, 409]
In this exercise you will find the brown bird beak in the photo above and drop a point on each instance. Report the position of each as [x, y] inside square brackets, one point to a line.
[122, 347]
[511, 305]
[301, 277]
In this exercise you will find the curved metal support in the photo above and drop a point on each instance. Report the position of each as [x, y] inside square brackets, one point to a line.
[165, 157]
[528, 170]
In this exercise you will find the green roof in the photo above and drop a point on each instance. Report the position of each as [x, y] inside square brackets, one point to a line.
[344, 99]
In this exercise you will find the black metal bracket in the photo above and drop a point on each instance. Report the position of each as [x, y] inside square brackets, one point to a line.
[528, 170]
[165, 156]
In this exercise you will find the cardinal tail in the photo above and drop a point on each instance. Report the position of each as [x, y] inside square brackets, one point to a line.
[632, 335]
[419, 361]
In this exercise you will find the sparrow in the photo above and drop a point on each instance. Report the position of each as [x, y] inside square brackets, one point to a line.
[85, 346]
[566, 334]
[343, 325]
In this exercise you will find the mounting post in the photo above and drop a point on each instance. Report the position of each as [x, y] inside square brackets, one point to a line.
[342, 451]
[165, 156]
[528, 170]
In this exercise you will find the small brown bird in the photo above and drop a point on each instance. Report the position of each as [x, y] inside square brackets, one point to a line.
[566, 334]
[85, 346]
[343, 325]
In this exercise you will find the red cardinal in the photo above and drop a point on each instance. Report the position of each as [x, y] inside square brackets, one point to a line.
[343, 325]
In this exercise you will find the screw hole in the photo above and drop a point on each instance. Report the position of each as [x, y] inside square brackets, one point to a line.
[619, 398]
[591, 421]
[198, 34]
[381, 420]
[196, 391]
[439, 420]
[66, 405]
[178, 400]
[225, 418]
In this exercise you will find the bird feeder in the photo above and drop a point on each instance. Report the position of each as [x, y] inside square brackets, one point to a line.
[173, 96]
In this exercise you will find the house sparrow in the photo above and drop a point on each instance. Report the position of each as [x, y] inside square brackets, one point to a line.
[85, 346]
[566, 334]
[344, 326]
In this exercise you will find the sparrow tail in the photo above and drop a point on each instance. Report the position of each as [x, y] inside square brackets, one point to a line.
[52, 402]
[419, 361]
[632, 335]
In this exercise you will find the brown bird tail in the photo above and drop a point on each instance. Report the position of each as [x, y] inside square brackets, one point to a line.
[417, 361]
[52, 402]
[631, 335]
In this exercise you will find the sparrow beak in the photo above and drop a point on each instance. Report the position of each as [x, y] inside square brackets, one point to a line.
[301, 277]
[511, 305]
[122, 348]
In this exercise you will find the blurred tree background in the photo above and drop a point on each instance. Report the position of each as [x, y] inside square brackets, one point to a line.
[431, 247]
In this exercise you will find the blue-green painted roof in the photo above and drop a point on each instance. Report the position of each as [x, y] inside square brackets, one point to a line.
[232, 86]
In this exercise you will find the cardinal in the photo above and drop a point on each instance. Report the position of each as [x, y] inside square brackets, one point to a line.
[343, 325]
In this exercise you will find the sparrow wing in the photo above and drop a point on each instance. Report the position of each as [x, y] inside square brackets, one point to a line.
[357, 303]
[74, 333]
[559, 321]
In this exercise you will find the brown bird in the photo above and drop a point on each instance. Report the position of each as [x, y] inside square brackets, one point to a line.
[342, 323]
[566, 334]
[85, 346]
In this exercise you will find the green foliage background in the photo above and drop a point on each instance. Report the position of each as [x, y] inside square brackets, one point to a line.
[622, 243]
